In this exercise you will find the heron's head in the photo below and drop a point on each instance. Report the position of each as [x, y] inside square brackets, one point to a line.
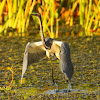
[48, 42]
[37, 14]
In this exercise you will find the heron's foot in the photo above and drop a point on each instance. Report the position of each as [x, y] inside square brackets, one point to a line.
[69, 87]
[53, 80]
[56, 87]
[68, 90]
[55, 84]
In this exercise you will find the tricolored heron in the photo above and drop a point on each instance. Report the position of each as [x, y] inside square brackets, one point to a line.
[37, 50]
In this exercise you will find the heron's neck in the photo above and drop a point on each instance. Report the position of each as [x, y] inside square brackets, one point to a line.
[41, 31]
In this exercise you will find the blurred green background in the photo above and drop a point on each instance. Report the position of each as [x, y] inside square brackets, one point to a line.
[60, 17]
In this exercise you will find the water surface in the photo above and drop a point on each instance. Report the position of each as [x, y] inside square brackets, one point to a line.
[37, 82]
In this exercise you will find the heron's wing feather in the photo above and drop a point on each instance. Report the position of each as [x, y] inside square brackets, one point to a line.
[58, 43]
[65, 61]
[63, 54]
[33, 53]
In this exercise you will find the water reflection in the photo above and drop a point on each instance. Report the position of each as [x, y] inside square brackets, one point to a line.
[54, 91]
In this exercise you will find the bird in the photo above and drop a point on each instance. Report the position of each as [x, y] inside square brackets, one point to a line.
[35, 51]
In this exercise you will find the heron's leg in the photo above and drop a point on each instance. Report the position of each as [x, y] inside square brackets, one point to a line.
[69, 84]
[48, 55]
[52, 70]
[52, 76]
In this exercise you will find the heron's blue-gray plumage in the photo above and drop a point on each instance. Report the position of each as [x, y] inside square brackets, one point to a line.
[48, 42]
[37, 50]
[66, 65]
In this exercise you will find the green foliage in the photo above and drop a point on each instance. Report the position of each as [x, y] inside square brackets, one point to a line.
[15, 14]
[18, 14]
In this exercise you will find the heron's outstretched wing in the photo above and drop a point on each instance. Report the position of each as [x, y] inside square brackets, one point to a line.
[62, 52]
[58, 42]
[65, 60]
[33, 53]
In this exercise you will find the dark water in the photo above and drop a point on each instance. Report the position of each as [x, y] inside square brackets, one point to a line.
[37, 82]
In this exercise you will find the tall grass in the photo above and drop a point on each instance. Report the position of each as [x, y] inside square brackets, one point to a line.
[91, 15]
[82, 11]
[16, 14]
[49, 18]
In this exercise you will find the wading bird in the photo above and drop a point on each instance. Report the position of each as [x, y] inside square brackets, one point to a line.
[37, 50]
